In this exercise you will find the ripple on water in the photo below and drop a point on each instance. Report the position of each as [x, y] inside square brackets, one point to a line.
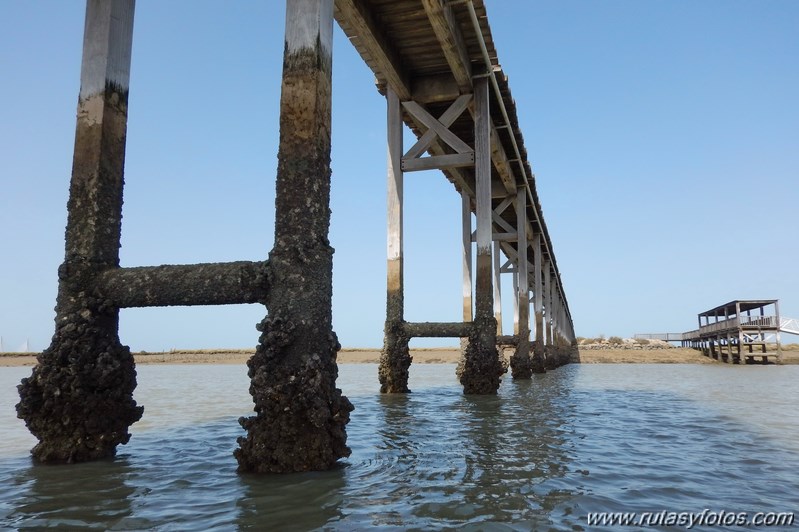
[540, 455]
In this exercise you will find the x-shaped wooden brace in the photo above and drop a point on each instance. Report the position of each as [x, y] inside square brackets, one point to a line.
[464, 154]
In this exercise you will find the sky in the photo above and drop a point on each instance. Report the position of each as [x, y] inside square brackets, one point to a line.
[664, 137]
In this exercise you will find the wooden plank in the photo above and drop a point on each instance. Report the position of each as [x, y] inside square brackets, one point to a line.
[505, 204]
[438, 162]
[446, 120]
[395, 177]
[451, 40]
[500, 160]
[548, 300]
[497, 289]
[522, 300]
[421, 114]
[539, 289]
[484, 294]
[434, 88]
[466, 241]
[386, 62]
[502, 223]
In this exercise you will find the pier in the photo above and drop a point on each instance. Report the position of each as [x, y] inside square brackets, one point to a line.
[739, 332]
[435, 63]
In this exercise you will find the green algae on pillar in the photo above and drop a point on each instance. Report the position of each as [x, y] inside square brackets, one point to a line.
[300, 414]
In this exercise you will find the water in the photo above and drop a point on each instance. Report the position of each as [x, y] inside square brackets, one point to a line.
[539, 456]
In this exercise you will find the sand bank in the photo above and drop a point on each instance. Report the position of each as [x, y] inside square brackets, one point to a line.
[420, 356]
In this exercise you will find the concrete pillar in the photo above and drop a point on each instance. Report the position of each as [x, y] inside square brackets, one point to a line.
[481, 368]
[520, 362]
[395, 359]
[301, 415]
[79, 399]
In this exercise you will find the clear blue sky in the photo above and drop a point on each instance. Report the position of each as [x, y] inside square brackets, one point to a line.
[664, 137]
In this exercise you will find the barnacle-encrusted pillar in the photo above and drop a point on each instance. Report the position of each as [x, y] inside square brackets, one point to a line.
[395, 359]
[300, 414]
[78, 401]
[521, 363]
[481, 368]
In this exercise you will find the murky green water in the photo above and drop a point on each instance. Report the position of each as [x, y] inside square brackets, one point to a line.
[541, 455]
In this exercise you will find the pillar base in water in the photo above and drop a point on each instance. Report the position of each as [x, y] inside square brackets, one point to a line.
[521, 364]
[481, 368]
[539, 358]
[395, 361]
[79, 399]
[300, 415]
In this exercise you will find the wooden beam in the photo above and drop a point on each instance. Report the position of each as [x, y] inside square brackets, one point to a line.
[438, 162]
[446, 120]
[421, 114]
[539, 289]
[500, 161]
[466, 254]
[436, 88]
[355, 15]
[497, 289]
[451, 40]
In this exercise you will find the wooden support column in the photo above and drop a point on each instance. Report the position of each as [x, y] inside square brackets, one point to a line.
[466, 220]
[395, 359]
[516, 301]
[91, 375]
[466, 254]
[481, 368]
[548, 286]
[539, 352]
[497, 288]
[779, 340]
[300, 416]
[520, 362]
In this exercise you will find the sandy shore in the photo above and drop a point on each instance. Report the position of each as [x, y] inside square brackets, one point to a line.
[420, 356]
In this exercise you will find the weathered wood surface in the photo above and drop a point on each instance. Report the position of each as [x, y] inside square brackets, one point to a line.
[430, 52]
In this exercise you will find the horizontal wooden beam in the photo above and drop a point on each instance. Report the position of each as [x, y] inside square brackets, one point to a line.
[436, 162]
[185, 285]
[450, 37]
[435, 88]
[438, 329]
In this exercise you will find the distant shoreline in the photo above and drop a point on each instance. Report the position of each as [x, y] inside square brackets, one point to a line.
[442, 355]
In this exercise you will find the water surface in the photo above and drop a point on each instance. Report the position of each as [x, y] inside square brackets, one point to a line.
[540, 455]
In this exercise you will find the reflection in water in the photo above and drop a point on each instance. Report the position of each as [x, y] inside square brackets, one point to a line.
[56, 495]
[302, 501]
[442, 458]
